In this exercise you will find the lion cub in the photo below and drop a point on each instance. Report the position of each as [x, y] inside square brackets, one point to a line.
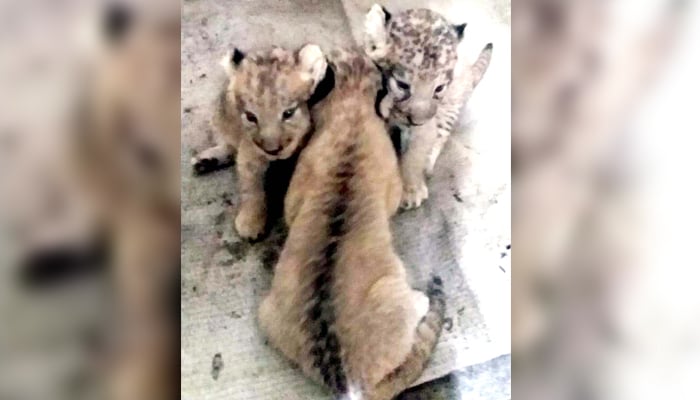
[425, 89]
[340, 306]
[262, 116]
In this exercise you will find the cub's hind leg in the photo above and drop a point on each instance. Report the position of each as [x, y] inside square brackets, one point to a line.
[269, 319]
[448, 113]
[391, 320]
[279, 328]
[445, 121]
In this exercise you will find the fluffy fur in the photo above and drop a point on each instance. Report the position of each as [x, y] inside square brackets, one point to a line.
[262, 116]
[417, 52]
[340, 306]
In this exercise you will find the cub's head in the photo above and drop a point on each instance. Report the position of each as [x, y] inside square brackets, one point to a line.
[417, 52]
[270, 90]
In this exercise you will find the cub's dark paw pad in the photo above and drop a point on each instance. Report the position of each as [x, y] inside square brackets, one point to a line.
[205, 165]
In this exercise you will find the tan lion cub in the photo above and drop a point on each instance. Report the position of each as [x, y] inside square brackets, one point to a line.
[262, 116]
[340, 306]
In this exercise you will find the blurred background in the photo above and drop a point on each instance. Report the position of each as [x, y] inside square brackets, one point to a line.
[604, 299]
[89, 199]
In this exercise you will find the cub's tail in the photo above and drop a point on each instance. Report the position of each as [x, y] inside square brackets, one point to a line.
[427, 335]
[481, 64]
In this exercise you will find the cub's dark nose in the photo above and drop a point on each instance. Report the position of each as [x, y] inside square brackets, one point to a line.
[273, 152]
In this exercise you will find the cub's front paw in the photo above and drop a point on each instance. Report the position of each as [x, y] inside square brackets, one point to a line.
[212, 159]
[250, 223]
[413, 195]
[202, 166]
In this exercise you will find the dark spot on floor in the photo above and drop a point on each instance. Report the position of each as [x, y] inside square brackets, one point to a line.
[188, 109]
[220, 218]
[502, 269]
[457, 197]
[448, 324]
[233, 276]
[194, 289]
[227, 262]
[460, 311]
[217, 364]
[202, 76]
[269, 258]
[237, 249]
[235, 315]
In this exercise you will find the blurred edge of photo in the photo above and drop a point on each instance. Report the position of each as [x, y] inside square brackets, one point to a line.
[89, 199]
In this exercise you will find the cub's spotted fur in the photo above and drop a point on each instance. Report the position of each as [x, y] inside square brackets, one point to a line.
[262, 116]
[340, 306]
[417, 52]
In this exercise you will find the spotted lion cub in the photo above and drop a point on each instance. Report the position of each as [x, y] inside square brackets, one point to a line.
[340, 306]
[417, 52]
[262, 115]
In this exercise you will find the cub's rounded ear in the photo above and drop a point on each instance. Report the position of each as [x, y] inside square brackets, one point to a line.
[376, 35]
[313, 64]
[231, 60]
[116, 22]
[460, 30]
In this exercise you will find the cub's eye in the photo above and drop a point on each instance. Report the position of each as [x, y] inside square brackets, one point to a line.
[251, 117]
[402, 85]
[289, 113]
[440, 88]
